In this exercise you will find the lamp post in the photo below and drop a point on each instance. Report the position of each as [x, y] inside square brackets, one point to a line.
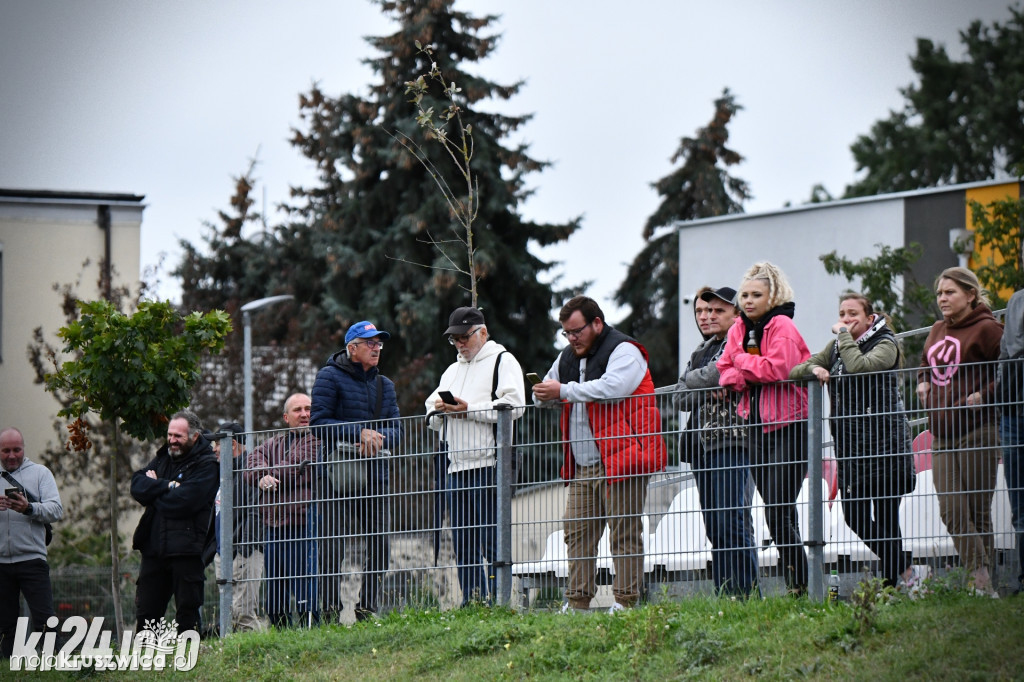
[247, 341]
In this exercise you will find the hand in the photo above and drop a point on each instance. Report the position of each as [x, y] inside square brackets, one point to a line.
[974, 399]
[837, 327]
[370, 442]
[460, 406]
[151, 474]
[269, 484]
[16, 502]
[548, 390]
[923, 389]
[822, 374]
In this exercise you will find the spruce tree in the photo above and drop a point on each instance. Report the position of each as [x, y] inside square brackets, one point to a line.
[356, 242]
[700, 188]
[369, 222]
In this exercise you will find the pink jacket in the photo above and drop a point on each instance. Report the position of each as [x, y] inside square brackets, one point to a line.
[782, 349]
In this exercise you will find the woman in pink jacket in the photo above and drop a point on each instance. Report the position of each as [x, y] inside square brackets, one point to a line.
[759, 353]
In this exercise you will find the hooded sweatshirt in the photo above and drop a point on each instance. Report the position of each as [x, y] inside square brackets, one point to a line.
[949, 352]
[23, 537]
[470, 438]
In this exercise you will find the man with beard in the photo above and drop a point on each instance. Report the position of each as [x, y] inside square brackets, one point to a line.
[177, 489]
[611, 428]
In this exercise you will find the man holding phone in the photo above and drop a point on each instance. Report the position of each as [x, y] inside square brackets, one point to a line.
[612, 443]
[483, 375]
[30, 502]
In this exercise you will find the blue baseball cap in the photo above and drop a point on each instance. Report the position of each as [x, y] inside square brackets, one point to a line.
[364, 330]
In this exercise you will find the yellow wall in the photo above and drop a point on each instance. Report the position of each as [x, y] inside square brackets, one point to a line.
[985, 196]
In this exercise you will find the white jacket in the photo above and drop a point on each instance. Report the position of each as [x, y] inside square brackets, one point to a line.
[471, 437]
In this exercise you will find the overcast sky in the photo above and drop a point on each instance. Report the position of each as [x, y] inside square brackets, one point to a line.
[171, 99]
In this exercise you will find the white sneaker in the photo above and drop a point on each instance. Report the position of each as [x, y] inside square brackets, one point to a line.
[566, 608]
[616, 607]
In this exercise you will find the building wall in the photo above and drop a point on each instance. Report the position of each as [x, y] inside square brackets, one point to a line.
[44, 241]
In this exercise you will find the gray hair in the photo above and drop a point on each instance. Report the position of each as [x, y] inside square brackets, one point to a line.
[195, 425]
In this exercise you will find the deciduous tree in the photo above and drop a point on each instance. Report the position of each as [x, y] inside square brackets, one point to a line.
[961, 122]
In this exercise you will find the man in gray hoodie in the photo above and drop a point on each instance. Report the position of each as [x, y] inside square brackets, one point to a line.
[30, 502]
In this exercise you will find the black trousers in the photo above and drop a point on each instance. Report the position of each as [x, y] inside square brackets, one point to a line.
[161, 578]
[881, 534]
[29, 578]
[779, 466]
[364, 516]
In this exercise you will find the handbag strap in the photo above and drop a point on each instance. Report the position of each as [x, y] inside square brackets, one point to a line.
[494, 387]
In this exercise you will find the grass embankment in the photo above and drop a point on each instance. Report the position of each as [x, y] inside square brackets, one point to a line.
[948, 635]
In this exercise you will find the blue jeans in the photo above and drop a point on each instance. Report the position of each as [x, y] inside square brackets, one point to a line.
[290, 568]
[473, 501]
[722, 483]
[1011, 435]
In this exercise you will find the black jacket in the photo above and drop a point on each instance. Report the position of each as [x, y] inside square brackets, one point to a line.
[870, 428]
[177, 522]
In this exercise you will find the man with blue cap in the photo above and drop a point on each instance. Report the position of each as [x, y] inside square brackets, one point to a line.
[359, 407]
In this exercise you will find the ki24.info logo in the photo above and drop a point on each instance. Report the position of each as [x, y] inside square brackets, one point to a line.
[157, 647]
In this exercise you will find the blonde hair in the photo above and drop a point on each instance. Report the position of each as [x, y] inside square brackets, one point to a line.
[779, 291]
[967, 281]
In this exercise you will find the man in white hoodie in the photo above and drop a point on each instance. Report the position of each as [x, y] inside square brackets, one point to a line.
[468, 426]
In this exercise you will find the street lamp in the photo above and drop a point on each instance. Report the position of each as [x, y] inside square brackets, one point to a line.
[247, 340]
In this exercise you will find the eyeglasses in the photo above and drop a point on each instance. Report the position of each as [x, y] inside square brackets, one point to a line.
[462, 338]
[575, 333]
[372, 344]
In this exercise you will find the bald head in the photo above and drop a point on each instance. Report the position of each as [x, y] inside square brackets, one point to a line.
[297, 410]
[12, 449]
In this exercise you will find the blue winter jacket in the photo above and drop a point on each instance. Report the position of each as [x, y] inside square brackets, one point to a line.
[345, 395]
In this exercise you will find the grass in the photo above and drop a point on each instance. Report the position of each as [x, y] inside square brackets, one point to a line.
[948, 635]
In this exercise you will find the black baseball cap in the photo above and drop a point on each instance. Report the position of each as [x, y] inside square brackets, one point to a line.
[727, 294]
[463, 319]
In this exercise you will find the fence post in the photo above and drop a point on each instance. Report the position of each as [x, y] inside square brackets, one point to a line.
[227, 532]
[815, 523]
[502, 564]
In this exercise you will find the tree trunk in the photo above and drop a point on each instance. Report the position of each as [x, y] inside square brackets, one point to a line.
[115, 545]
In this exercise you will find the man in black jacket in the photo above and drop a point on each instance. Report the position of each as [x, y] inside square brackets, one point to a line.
[177, 489]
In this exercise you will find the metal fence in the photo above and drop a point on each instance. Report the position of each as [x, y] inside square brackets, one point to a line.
[324, 549]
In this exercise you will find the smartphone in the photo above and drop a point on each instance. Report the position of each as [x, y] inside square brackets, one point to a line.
[532, 376]
[447, 397]
[13, 490]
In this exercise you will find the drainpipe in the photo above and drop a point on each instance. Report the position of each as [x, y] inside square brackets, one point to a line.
[103, 220]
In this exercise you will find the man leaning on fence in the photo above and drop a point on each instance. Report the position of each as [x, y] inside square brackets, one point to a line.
[282, 469]
[721, 464]
[1011, 428]
[358, 404]
[175, 534]
[483, 376]
[612, 431]
[247, 545]
[30, 503]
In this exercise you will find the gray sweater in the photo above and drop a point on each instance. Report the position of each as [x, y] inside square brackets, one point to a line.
[23, 537]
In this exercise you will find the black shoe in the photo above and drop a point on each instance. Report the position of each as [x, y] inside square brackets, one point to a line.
[364, 614]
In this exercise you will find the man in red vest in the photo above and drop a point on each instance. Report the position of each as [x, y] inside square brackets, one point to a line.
[612, 431]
